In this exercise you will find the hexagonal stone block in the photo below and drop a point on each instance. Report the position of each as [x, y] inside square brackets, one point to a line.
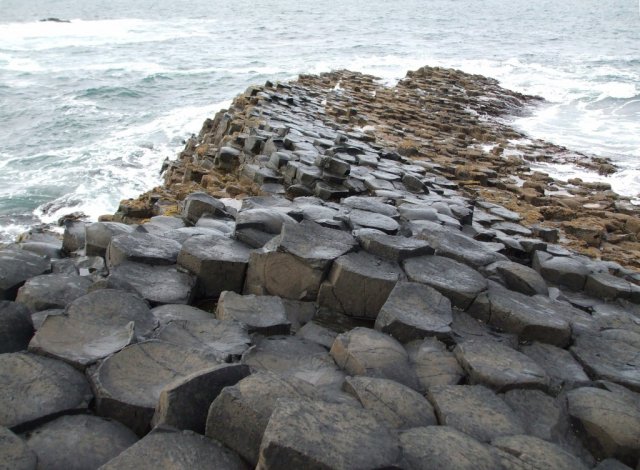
[128, 384]
[79, 442]
[460, 283]
[561, 270]
[560, 366]
[166, 448]
[498, 366]
[36, 387]
[359, 284]
[315, 434]
[16, 327]
[99, 235]
[393, 247]
[516, 452]
[414, 311]
[93, 327]
[218, 262]
[607, 286]
[367, 352]
[262, 314]
[195, 205]
[144, 248]
[51, 291]
[519, 278]
[440, 447]
[15, 453]
[475, 410]
[16, 266]
[433, 363]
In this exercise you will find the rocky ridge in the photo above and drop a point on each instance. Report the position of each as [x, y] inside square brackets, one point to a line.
[326, 280]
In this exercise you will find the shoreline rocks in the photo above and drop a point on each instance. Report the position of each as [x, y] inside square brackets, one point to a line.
[335, 275]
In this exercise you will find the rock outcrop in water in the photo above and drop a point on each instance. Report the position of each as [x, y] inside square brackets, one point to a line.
[335, 275]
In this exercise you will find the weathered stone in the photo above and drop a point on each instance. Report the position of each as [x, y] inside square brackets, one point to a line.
[460, 283]
[94, 326]
[299, 313]
[184, 403]
[16, 266]
[608, 359]
[74, 236]
[168, 449]
[16, 327]
[294, 264]
[142, 248]
[443, 447]
[367, 352]
[523, 452]
[219, 263]
[528, 317]
[259, 313]
[607, 286]
[560, 366]
[433, 363]
[475, 410]
[611, 464]
[561, 270]
[171, 312]
[358, 219]
[198, 204]
[157, 284]
[391, 247]
[51, 291]
[226, 341]
[541, 415]
[520, 278]
[99, 235]
[35, 388]
[371, 204]
[455, 245]
[79, 442]
[390, 402]
[359, 284]
[14, 452]
[239, 415]
[315, 434]
[512, 228]
[414, 311]
[266, 220]
[317, 334]
[499, 367]
[128, 384]
[609, 421]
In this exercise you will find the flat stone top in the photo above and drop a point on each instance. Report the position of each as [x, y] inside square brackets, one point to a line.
[369, 265]
[18, 265]
[445, 272]
[146, 245]
[308, 240]
[371, 204]
[216, 248]
[139, 372]
[34, 387]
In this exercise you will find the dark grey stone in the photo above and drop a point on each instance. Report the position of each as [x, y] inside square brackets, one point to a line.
[50, 291]
[16, 266]
[16, 327]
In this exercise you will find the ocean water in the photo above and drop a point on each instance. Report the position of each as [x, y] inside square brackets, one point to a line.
[89, 109]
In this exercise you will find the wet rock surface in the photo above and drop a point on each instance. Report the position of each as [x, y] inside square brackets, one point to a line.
[342, 275]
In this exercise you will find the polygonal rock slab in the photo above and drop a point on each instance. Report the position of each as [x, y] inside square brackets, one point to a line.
[560, 366]
[475, 410]
[219, 263]
[371, 204]
[455, 245]
[517, 452]
[79, 442]
[520, 278]
[15, 453]
[51, 291]
[223, 340]
[170, 312]
[527, 317]
[460, 283]
[414, 311]
[94, 326]
[16, 327]
[443, 447]
[609, 359]
[359, 284]
[433, 363]
[157, 284]
[36, 387]
[498, 366]
[367, 352]
[294, 264]
[561, 270]
[294, 356]
[239, 415]
[168, 449]
[541, 415]
[315, 434]
[128, 384]
[16, 266]
[391, 247]
[607, 286]
[198, 204]
[144, 248]
[358, 219]
[609, 422]
[262, 314]
[390, 402]
[99, 235]
[184, 403]
[265, 220]
[317, 334]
